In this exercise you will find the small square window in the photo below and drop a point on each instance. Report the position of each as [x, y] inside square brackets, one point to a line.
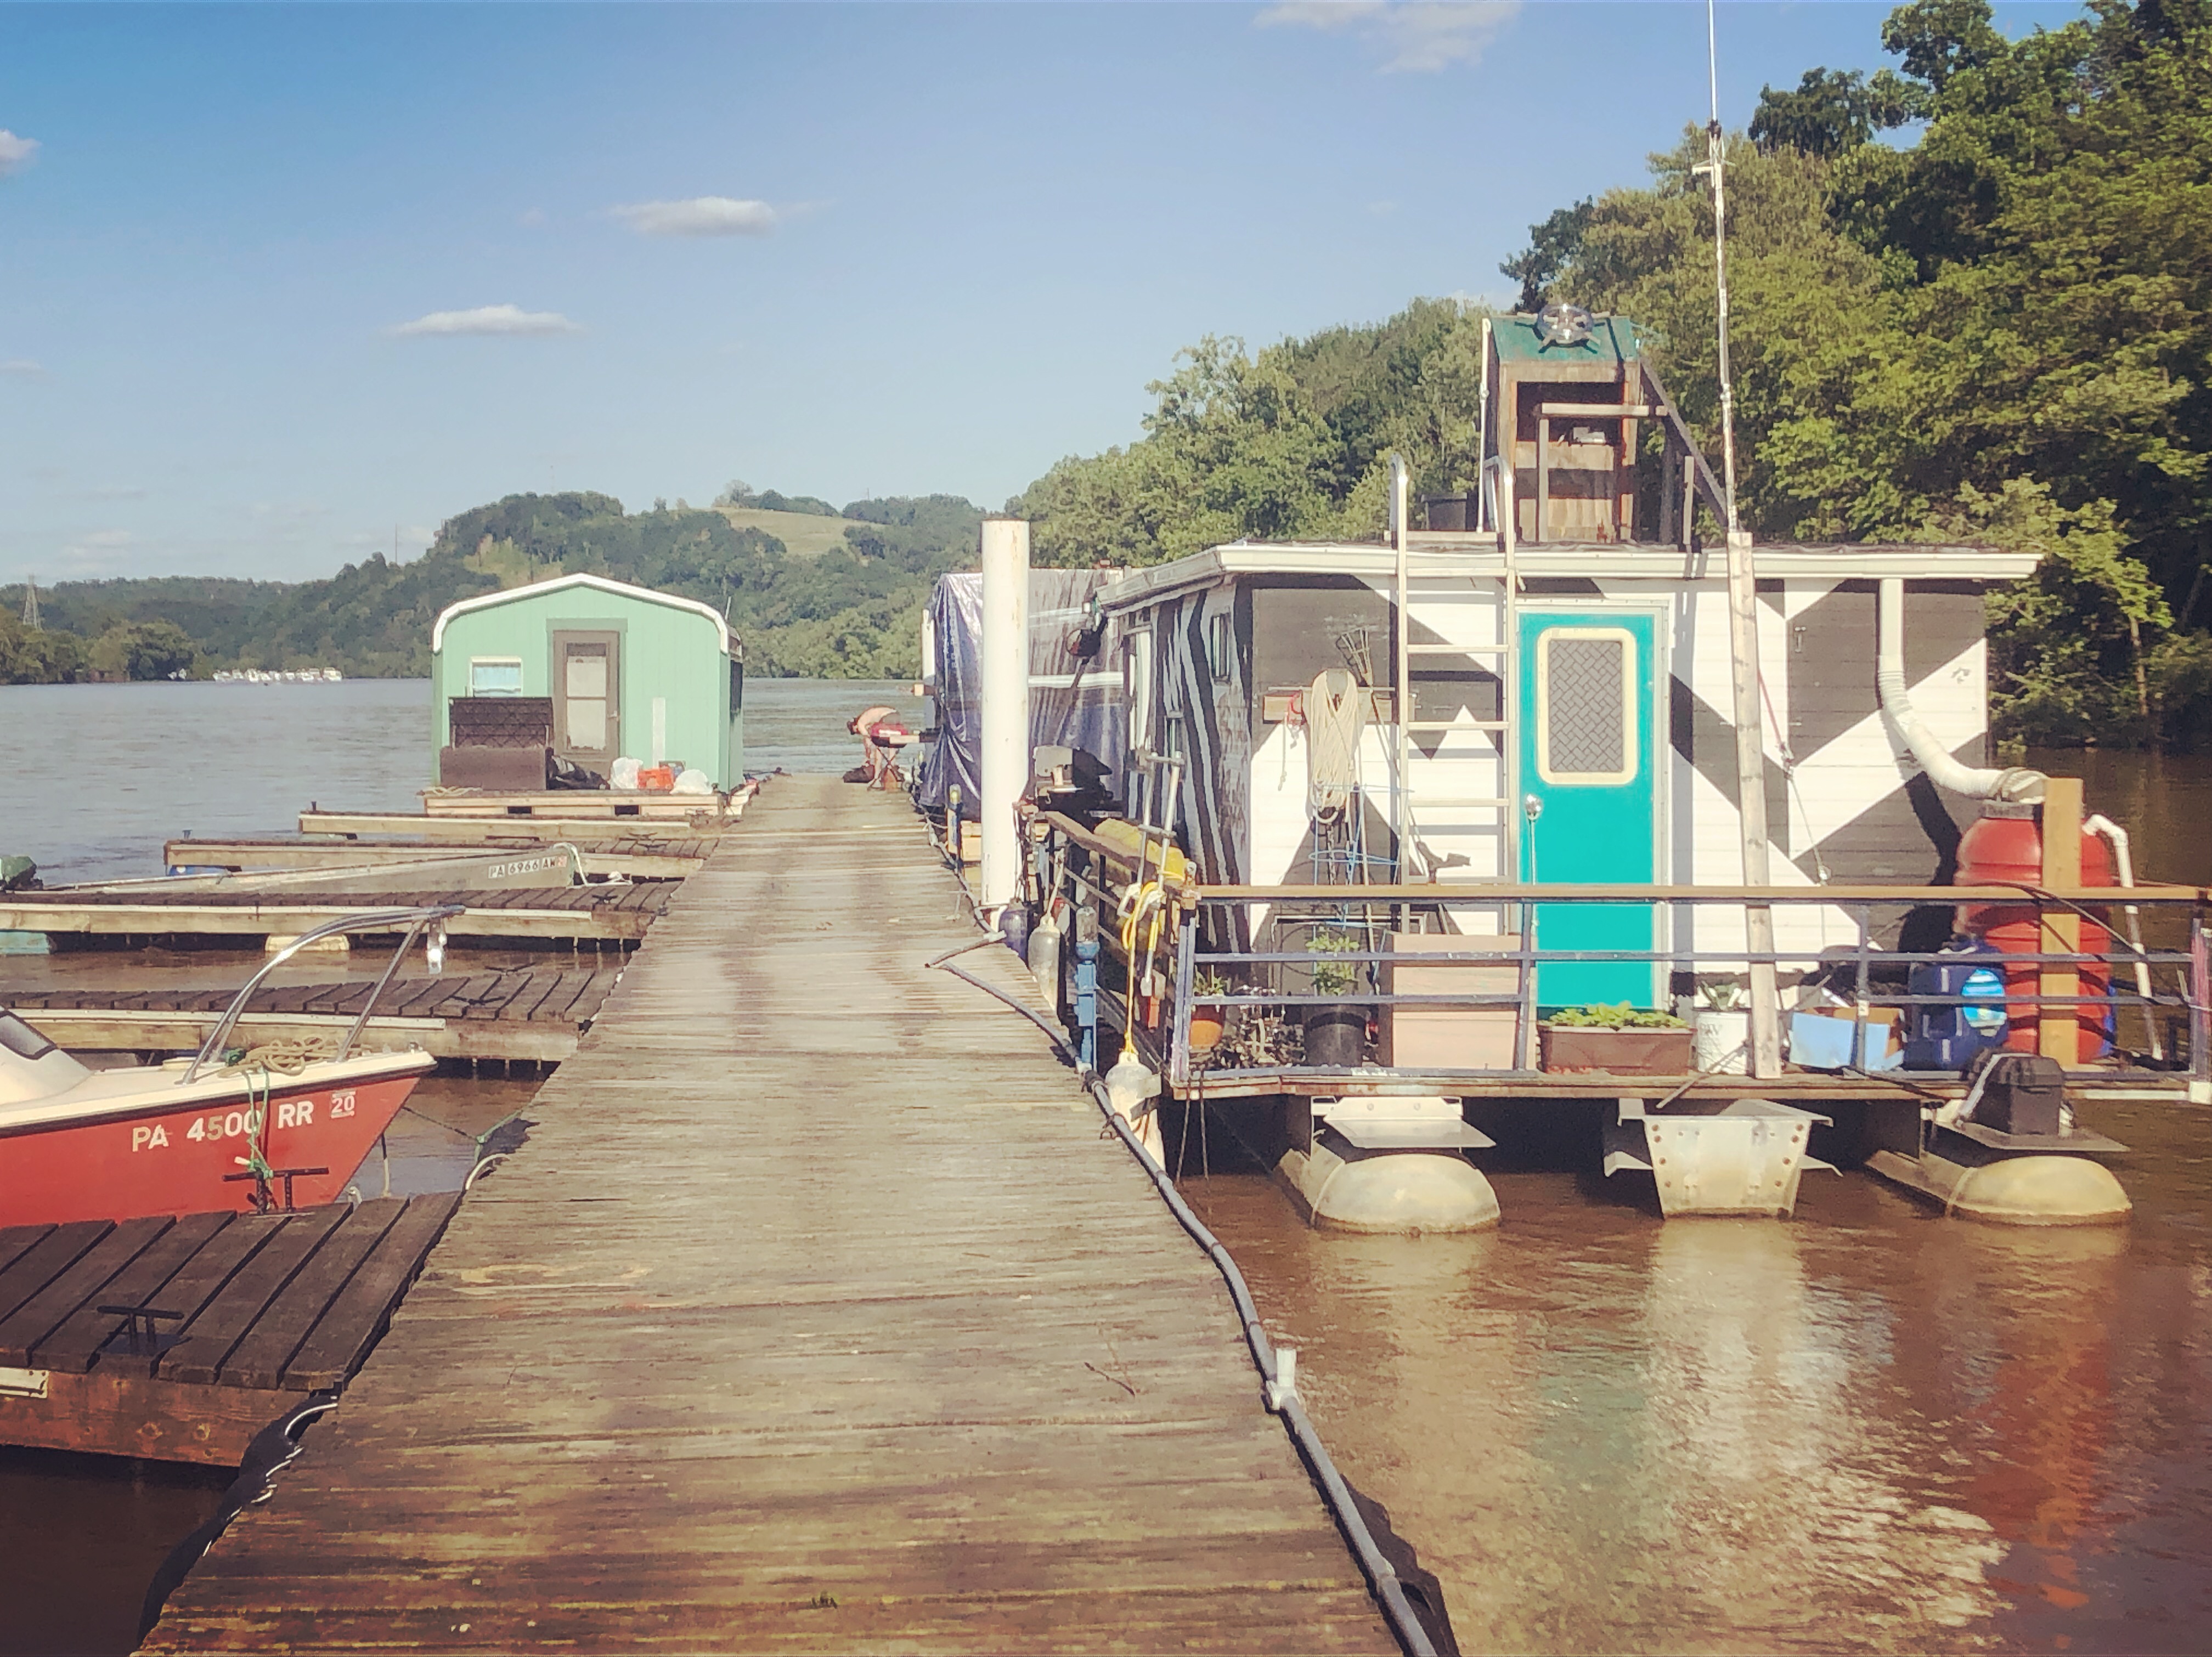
[494, 675]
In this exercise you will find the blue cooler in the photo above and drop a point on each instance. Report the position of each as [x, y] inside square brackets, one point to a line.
[1948, 1037]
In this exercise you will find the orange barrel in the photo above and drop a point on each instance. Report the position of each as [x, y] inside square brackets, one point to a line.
[2005, 844]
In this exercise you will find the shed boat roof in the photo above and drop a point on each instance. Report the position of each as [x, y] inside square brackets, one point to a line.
[539, 589]
[1455, 553]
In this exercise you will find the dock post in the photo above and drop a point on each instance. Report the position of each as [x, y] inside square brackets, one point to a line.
[1006, 706]
[1086, 983]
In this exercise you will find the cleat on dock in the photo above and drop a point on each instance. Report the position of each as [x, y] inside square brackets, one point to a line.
[1743, 1157]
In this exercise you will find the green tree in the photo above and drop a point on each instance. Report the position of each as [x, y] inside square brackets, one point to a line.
[145, 650]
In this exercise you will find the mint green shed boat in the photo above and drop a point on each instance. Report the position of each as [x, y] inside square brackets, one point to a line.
[627, 672]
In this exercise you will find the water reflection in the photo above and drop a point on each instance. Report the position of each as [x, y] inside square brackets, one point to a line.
[1867, 1428]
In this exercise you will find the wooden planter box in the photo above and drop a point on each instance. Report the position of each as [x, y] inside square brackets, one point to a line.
[1573, 1048]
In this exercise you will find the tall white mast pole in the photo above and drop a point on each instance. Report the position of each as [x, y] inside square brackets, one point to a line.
[1743, 623]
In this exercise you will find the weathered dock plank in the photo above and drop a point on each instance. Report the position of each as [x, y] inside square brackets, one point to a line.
[519, 830]
[646, 856]
[268, 1309]
[815, 1315]
[604, 913]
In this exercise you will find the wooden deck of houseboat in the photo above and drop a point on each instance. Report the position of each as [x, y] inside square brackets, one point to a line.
[816, 1315]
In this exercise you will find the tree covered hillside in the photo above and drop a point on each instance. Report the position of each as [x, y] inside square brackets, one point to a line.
[849, 613]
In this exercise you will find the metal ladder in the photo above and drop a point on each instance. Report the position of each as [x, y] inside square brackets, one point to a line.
[1452, 573]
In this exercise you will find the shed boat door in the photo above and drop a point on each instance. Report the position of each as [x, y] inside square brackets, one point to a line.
[1589, 792]
[587, 698]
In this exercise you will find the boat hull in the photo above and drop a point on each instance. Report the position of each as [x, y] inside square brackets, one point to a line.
[158, 1158]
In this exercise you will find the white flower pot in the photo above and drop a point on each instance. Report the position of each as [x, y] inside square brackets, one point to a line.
[1717, 1033]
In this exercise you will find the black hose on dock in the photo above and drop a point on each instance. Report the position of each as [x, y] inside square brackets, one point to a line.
[1382, 1578]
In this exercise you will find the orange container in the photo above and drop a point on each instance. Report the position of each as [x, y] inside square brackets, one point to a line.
[656, 779]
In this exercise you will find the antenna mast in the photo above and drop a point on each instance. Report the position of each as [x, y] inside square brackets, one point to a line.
[1743, 631]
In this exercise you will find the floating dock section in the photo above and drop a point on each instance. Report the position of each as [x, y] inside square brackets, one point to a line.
[178, 1339]
[816, 1314]
[533, 1014]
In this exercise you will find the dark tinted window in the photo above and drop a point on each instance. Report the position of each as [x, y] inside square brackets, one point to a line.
[21, 1039]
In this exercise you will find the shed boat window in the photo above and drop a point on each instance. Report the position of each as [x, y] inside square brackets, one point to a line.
[1585, 714]
[494, 675]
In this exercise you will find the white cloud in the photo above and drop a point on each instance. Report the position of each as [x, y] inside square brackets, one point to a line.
[22, 367]
[532, 217]
[109, 539]
[1416, 36]
[487, 319]
[15, 153]
[701, 215]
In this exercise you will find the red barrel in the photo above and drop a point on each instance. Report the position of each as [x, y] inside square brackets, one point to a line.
[2005, 844]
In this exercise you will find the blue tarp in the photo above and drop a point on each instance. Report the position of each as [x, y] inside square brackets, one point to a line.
[1072, 702]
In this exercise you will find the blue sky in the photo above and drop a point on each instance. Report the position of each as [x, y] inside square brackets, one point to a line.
[277, 280]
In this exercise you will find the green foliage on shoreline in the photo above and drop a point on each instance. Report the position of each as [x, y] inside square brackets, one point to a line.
[854, 612]
[2002, 334]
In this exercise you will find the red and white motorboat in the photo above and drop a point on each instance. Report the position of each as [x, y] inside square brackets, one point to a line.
[193, 1135]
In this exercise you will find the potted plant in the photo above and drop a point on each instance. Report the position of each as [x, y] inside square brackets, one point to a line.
[1621, 1040]
[1208, 1017]
[1336, 1036]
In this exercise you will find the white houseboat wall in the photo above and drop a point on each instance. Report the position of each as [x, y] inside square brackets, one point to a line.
[1568, 693]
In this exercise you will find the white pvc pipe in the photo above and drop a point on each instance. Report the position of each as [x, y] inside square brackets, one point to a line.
[2015, 783]
[1004, 759]
[2116, 837]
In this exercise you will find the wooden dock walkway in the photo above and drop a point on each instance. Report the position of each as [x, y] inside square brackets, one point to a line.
[815, 1315]
[266, 1308]
[598, 914]
[534, 1013]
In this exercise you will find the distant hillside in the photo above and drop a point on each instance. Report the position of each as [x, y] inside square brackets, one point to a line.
[850, 608]
[804, 535]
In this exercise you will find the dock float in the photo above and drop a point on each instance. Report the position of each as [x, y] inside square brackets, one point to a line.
[635, 857]
[816, 1314]
[616, 914]
[241, 1318]
[534, 1014]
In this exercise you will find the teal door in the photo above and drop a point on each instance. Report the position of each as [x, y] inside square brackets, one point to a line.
[1589, 764]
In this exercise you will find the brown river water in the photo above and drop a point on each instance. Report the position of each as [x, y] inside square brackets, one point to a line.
[1864, 1429]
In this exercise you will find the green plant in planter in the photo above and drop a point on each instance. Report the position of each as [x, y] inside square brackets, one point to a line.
[1597, 1016]
[1209, 986]
[1334, 977]
[1722, 995]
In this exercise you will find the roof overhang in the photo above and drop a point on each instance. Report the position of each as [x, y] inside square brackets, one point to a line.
[1595, 560]
[599, 583]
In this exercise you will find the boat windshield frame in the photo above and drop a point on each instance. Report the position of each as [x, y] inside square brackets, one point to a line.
[367, 920]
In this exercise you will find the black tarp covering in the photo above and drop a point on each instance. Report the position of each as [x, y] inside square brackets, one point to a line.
[1072, 702]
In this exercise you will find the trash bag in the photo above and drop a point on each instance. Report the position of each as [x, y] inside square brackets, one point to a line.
[623, 774]
[693, 781]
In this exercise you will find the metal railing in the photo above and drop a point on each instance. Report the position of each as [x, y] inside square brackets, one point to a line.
[1869, 971]
[368, 920]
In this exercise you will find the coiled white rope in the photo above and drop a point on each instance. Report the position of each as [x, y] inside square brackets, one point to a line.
[1336, 715]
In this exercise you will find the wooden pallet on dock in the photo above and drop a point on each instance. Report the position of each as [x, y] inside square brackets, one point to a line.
[534, 1013]
[270, 1308]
